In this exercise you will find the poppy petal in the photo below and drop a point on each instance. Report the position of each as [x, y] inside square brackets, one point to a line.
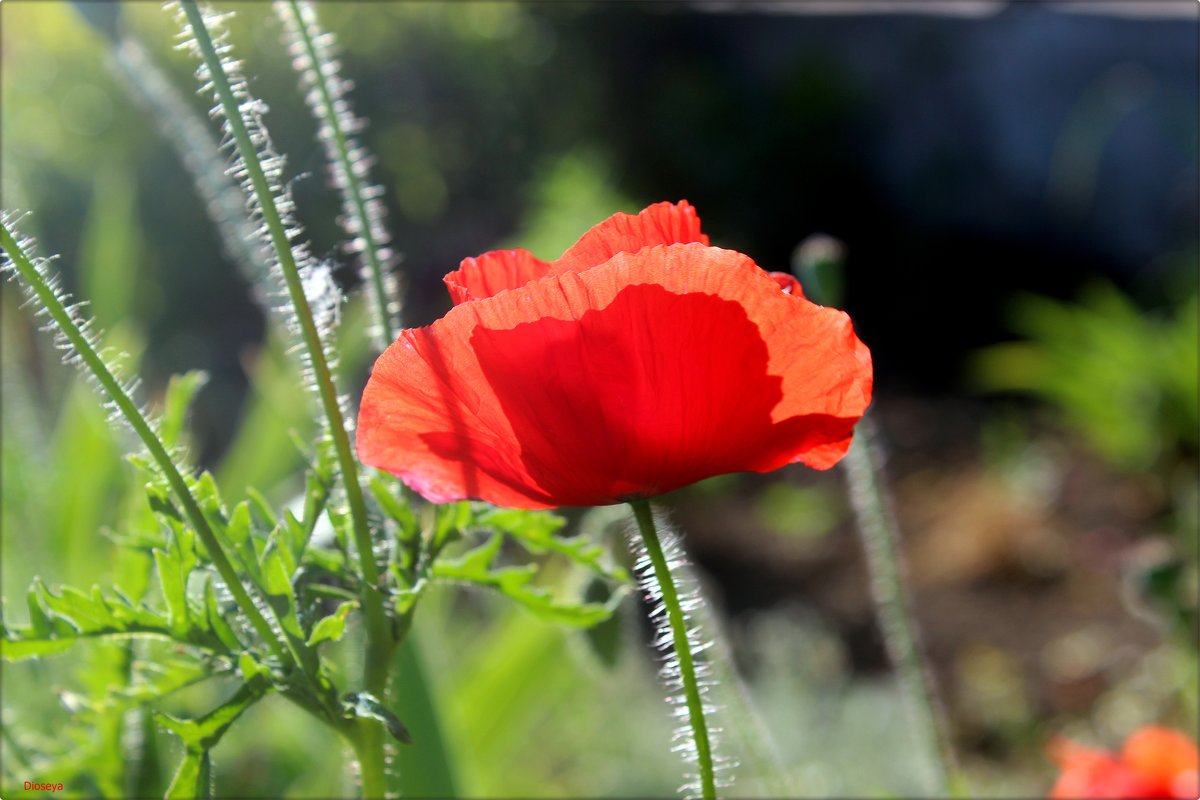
[788, 283]
[1162, 756]
[493, 272]
[661, 223]
[633, 378]
[1086, 772]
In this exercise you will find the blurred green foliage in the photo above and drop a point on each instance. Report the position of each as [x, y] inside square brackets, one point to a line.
[1125, 379]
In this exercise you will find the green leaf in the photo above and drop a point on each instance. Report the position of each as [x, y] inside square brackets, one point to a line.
[296, 534]
[451, 518]
[331, 628]
[367, 706]
[60, 620]
[174, 590]
[277, 571]
[537, 532]
[160, 501]
[181, 391]
[193, 778]
[13, 649]
[86, 614]
[516, 583]
[262, 506]
[395, 509]
[240, 535]
[202, 734]
[216, 619]
[252, 669]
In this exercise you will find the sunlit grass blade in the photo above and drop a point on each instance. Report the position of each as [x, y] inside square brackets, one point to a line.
[261, 171]
[199, 153]
[314, 57]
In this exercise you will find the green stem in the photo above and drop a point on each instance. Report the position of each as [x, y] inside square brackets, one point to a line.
[897, 621]
[353, 189]
[379, 638]
[133, 415]
[683, 649]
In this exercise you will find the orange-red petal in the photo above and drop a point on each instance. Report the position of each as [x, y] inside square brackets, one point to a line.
[1088, 773]
[493, 272]
[649, 372]
[661, 223]
[1164, 757]
[498, 270]
[788, 283]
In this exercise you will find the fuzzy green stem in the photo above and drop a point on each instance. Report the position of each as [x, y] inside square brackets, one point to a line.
[141, 426]
[683, 649]
[881, 544]
[379, 637]
[354, 186]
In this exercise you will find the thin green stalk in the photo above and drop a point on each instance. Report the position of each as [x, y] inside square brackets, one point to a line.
[332, 113]
[683, 649]
[379, 637]
[881, 544]
[82, 345]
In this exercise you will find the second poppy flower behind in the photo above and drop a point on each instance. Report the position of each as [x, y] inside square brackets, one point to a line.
[641, 361]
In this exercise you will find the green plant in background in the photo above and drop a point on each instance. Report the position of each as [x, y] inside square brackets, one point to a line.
[1125, 380]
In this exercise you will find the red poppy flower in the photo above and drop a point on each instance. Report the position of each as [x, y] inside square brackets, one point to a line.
[640, 361]
[1155, 762]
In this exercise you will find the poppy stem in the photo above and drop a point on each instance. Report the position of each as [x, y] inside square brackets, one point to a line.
[683, 649]
[881, 543]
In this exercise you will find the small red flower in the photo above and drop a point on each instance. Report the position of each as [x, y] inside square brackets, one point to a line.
[640, 361]
[1154, 763]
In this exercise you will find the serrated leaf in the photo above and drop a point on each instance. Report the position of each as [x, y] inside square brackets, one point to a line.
[475, 567]
[367, 706]
[85, 614]
[331, 628]
[60, 620]
[537, 532]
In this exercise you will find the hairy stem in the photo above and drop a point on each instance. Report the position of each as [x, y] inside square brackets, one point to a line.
[330, 110]
[78, 340]
[379, 637]
[683, 650]
[881, 539]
